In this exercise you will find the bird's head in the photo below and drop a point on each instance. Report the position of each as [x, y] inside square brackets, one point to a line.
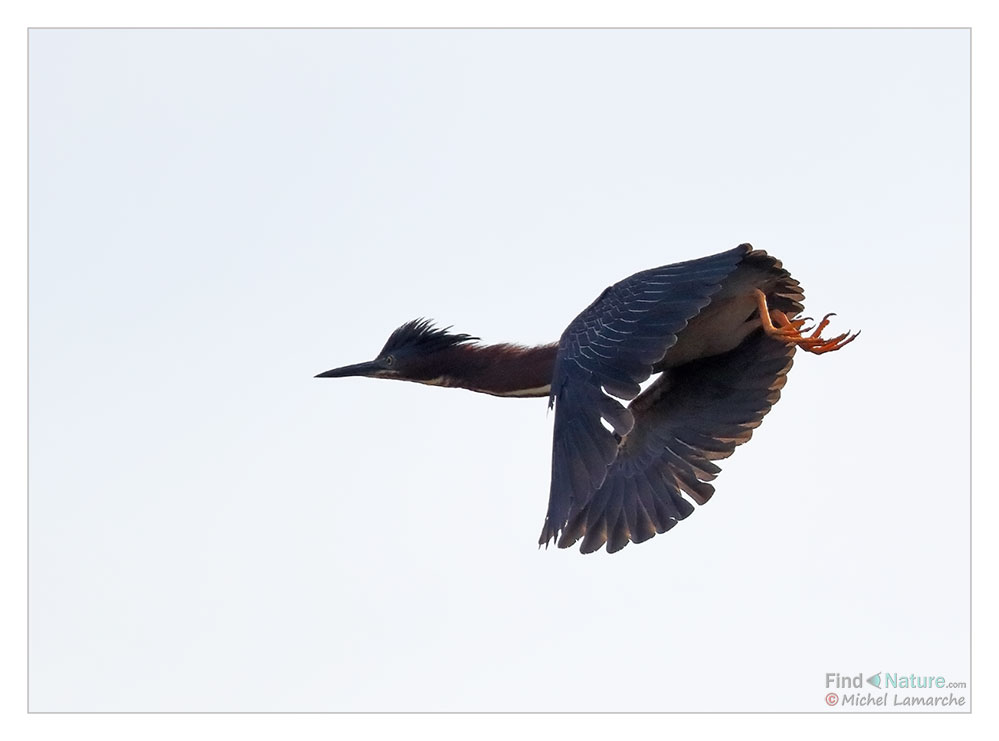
[413, 352]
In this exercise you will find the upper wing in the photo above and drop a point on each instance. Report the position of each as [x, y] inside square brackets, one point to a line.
[695, 414]
[606, 352]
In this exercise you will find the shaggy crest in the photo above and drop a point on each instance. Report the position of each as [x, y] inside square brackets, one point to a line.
[421, 334]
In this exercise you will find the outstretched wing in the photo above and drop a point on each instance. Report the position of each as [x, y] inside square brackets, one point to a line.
[607, 352]
[697, 413]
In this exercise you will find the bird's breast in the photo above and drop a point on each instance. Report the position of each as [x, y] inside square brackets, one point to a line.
[522, 393]
[720, 327]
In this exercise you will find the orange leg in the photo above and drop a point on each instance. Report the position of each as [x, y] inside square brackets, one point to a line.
[776, 324]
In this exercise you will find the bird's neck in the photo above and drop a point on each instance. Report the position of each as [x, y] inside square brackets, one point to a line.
[500, 370]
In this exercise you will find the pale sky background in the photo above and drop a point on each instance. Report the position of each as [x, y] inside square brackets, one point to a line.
[216, 216]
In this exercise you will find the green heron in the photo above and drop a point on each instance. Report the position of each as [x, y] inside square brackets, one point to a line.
[720, 331]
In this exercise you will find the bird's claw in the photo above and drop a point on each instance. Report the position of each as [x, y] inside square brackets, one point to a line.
[777, 324]
[813, 341]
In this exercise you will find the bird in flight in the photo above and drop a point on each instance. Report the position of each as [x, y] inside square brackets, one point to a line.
[720, 331]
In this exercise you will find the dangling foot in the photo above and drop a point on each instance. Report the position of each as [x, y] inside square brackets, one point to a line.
[776, 324]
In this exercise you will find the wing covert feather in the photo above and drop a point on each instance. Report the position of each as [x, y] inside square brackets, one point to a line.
[606, 352]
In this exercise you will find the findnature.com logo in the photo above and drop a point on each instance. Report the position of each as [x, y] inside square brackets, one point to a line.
[888, 683]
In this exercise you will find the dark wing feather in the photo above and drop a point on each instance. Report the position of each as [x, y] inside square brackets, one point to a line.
[607, 351]
[704, 410]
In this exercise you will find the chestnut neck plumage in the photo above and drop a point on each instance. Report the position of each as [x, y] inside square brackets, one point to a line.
[500, 370]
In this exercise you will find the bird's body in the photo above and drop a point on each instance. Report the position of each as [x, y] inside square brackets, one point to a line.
[721, 331]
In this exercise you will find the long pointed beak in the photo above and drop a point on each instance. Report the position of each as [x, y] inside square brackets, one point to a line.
[358, 369]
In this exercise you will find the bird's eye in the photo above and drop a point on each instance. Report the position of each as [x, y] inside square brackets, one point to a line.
[389, 361]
